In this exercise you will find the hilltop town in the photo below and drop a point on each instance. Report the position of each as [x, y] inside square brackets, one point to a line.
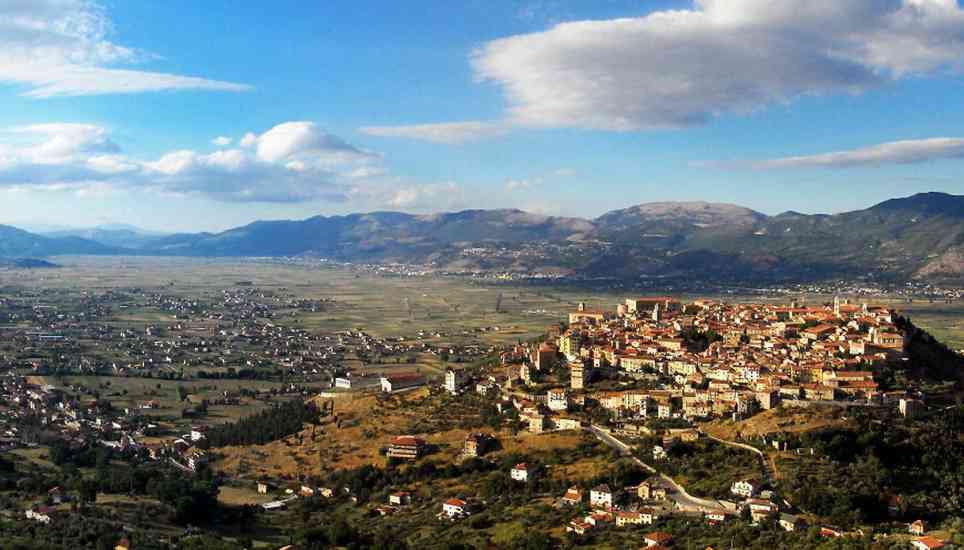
[655, 421]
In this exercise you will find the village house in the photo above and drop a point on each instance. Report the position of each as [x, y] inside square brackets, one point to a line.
[454, 380]
[400, 498]
[521, 472]
[477, 444]
[397, 382]
[406, 447]
[41, 514]
[790, 522]
[573, 497]
[557, 399]
[455, 508]
[601, 497]
[745, 488]
[657, 538]
[927, 543]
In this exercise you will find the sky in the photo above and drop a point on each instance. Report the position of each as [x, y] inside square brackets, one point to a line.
[190, 116]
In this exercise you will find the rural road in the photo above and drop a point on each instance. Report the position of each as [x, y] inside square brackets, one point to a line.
[764, 463]
[684, 501]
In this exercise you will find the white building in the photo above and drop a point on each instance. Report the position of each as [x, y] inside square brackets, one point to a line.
[557, 399]
[455, 508]
[601, 497]
[520, 472]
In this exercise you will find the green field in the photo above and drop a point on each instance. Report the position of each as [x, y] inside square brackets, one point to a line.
[388, 305]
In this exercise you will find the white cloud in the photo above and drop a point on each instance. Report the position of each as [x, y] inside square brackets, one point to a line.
[61, 48]
[442, 132]
[300, 140]
[678, 68]
[222, 141]
[521, 184]
[292, 162]
[366, 172]
[894, 152]
[431, 196]
[565, 172]
[248, 140]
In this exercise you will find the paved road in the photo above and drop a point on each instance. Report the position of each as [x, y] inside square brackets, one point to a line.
[764, 462]
[684, 501]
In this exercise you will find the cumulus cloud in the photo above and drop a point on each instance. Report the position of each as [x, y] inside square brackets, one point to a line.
[442, 132]
[894, 152]
[292, 162]
[679, 68]
[61, 48]
[430, 196]
[520, 184]
[222, 141]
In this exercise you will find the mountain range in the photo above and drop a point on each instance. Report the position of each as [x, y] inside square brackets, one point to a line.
[921, 236]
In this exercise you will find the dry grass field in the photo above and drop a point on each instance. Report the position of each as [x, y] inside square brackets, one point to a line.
[368, 424]
[786, 419]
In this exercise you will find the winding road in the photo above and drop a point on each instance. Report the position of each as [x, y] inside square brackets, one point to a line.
[684, 501]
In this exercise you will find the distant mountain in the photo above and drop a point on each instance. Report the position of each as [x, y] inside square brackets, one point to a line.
[669, 223]
[921, 236]
[26, 263]
[114, 235]
[379, 236]
[19, 243]
[917, 236]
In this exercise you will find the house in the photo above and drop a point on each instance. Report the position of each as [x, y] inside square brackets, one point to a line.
[454, 380]
[644, 491]
[927, 543]
[454, 508]
[397, 382]
[831, 532]
[557, 399]
[917, 528]
[659, 453]
[573, 496]
[761, 509]
[648, 515]
[745, 488]
[657, 538]
[601, 497]
[195, 457]
[401, 498]
[910, 408]
[384, 510]
[578, 527]
[628, 518]
[41, 514]
[790, 522]
[198, 432]
[406, 447]
[715, 517]
[477, 444]
[521, 472]
[57, 495]
[263, 487]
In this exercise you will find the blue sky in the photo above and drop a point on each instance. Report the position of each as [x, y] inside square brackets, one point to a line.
[110, 110]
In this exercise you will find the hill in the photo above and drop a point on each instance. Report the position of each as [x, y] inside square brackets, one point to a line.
[113, 235]
[19, 243]
[916, 237]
